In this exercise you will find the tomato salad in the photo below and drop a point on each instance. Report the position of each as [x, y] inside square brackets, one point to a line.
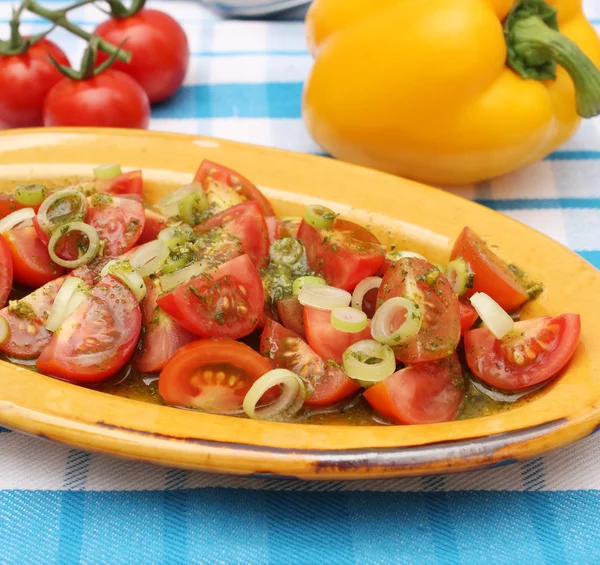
[228, 309]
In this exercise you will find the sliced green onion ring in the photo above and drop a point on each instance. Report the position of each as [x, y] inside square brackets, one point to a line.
[14, 219]
[170, 281]
[175, 235]
[286, 251]
[291, 399]
[105, 172]
[30, 194]
[93, 244]
[71, 294]
[362, 288]
[459, 275]
[382, 327]
[191, 208]
[369, 361]
[319, 217]
[149, 258]
[176, 261]
[4, 330]
[393, 256]
[324, 297]
[301, 282]
[63, 206]
[123, 271]
[169, 205]
[492, 314]
[348, 319]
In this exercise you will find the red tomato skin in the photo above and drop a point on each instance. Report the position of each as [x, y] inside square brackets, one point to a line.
[342, 264]
[28, 336]
[111, 99]
[291, 315]
[424, 393]
[488, 361]
[492, 275]
[9, 204]
[153, 225]
[32, 265]
[130, 183]
[325, 340]
[468, 316]
[6, 271]
[25, 81]
[276, 229]
[69, 357]
[159, 49]
[161, 336]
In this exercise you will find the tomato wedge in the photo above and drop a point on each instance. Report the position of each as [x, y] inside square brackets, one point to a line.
[325, 340]
[97, 339]
[154, 223]
[127, 183]
[32, 265]
[161, 335]
[326, 382]
[118, 221]
[492, 275]
[9, 204]
[91, 274]
[217, 177]
[468, 316]
[224, 302]
[535, 351]
[344, 255]
[211, 375]
[419, 280]
[276, 229]
[291, 315]
[425, 393]
[26, 319]
[6, 271]
[245, 222]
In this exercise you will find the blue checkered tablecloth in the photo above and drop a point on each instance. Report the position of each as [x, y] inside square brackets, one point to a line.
[60, 505]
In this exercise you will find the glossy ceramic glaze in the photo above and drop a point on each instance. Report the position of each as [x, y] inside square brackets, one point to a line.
[416, 216]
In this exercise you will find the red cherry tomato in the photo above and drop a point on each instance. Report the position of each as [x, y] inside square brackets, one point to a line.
[535, 351]
[161, 335]
[111, 99]
[492, 275]
[26, 319]
[32, 265]
[224, 180]
[127, 183]
[468, 316]
[344, 255]
[245, 222]
[153, 225]
[97, 339]
[211, 375]
[25, 81]
[276, 229]
[159, 49]
[424, 393]
[118, 221]
[326, 341]
[326, 383]
[224, 302]
[6, 272]
[440, 326]
[291, 315]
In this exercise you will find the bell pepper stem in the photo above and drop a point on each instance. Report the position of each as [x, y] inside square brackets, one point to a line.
[534, 42]
[59, 18]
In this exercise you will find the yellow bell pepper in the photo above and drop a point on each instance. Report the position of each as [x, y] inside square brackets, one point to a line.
[449, 91]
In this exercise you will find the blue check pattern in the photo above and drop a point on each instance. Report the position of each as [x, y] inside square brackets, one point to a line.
[63, 506]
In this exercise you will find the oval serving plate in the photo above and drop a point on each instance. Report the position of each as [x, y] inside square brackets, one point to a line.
[426, 219]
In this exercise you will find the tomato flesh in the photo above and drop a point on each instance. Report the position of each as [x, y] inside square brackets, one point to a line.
[127, 183]
[468, 316]
[154, 223]
[344, 255]
[326, 383]
[211, 375]
[425, 393]
[291, 315]
[6, 271]
[535, 351]
[276, 229]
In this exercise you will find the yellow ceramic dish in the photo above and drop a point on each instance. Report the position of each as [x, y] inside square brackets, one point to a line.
[425, 218]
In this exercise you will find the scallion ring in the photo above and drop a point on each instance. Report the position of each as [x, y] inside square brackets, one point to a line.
[90, 253]
[301, 282]
[459, 275]
[71, 294]
[286, 251]
[492, 314]
[175, 235]
[123, 271]
[107, 172]
[362, 288]
[149, 258]
[175, 262]
[66, 205]
[192, 207]
[14, 219]
[4, 330]
[170, 281]
[30, 194]
[383, 325]
[394, 256]
[319, 217]
[324, 297]
[169, 204]
[348, 319]
[291, 399]
[369, 361]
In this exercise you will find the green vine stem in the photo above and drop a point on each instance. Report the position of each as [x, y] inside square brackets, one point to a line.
[17, 44]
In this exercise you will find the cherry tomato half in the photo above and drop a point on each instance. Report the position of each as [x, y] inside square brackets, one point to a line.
[535, 351]
[127, 183]
[344, 255]
[97, 339]
[424, 393]
[6, 272]
[211, 375]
